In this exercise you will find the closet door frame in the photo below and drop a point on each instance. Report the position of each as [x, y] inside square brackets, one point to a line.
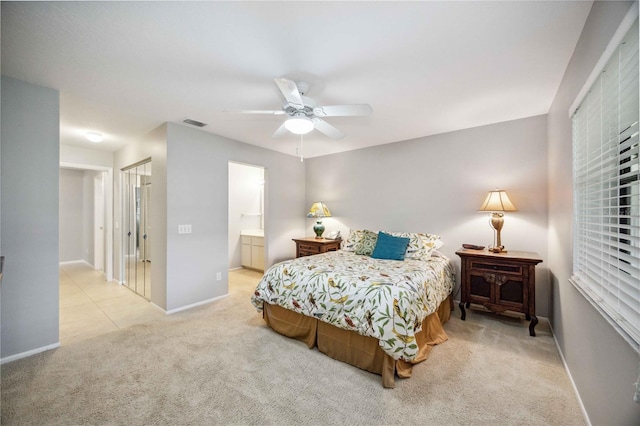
[135, 273]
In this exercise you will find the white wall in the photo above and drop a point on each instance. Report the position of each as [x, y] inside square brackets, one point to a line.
[71, 215]
[603, 366]
[77, 239]
[85, 158]
[245, 202]
[190, 187]
[29, 212]
[436, 184]
[88, 216]
[94, 161]
[154, 146]
[198, 194]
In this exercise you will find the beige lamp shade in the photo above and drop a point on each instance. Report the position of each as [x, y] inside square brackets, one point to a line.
[497, 201]
[319, 209]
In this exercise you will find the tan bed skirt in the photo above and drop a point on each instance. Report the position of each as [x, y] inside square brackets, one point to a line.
[361, 351]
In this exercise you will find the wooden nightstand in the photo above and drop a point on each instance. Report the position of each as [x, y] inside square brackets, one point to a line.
[499, 282]
[311, 245]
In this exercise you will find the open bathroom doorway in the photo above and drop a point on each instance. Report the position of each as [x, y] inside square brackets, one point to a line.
[246, 217]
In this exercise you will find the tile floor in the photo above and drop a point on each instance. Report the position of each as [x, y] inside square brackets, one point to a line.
[91, 306]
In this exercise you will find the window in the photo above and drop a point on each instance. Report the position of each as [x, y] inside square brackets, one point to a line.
[606, 234]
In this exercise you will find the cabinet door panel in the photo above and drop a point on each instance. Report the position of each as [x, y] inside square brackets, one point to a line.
[480, 289]
[512, 293]
[245, 255]
[257, 257]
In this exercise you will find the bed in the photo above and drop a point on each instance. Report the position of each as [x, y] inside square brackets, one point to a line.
[378, 314]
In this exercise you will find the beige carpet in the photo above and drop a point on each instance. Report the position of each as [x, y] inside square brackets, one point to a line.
[220, 364]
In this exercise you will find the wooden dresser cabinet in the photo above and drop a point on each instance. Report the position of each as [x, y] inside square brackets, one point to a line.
[499, 282]
[311, 245]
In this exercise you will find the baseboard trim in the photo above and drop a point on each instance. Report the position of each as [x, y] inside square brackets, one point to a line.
[29, 353]
[204, 302]
[72, 262]
[573, 384]
[156, 306]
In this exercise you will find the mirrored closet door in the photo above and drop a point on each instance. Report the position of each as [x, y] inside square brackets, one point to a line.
[136, 227]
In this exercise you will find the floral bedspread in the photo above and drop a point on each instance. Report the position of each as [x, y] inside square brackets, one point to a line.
[385, 299]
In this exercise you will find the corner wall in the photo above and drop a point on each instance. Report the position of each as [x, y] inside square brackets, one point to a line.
[29, 211]
[436, 184]
[190, 187]
[603, 366]
[198, 195]
[72, 225]
[154, 146]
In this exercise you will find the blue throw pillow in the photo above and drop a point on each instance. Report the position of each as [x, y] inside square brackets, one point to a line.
[390, 247]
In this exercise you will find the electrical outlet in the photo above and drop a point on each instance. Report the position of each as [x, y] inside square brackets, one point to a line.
[219, 276]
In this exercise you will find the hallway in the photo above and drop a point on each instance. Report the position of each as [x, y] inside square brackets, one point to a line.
[90, 306]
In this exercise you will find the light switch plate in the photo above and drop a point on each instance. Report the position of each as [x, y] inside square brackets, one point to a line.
[184, 229]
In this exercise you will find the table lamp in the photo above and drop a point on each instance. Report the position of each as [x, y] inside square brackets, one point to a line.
[497, 202]
[318, 210]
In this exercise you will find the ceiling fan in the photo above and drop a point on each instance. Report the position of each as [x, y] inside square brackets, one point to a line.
[303, 113]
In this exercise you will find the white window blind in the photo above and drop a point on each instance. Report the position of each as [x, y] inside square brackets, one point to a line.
[606, 178]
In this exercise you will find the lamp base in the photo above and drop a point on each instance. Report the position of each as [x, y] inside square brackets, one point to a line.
[497, 221]
[318, 228]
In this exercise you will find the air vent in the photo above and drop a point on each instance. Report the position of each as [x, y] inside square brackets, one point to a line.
[194, 122]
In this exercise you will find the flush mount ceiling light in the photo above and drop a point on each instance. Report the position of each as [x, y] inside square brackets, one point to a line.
[94, 137]
[299, 125]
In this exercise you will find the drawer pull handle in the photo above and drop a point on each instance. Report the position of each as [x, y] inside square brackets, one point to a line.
[495, 279]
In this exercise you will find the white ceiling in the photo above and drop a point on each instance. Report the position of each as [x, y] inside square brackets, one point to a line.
[124, 68]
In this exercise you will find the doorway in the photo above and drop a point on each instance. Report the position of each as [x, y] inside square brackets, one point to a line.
[246, 216]
[98, 222]
[136, 227]
[86, 203]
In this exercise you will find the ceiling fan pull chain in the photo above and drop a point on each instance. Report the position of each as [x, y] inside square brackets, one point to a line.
[301, 156]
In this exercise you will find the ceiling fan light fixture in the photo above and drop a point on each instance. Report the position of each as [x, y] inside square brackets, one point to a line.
[300, 125]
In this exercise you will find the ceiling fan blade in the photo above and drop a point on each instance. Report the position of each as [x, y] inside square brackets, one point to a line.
[342, 110]
[281, 131]
[290, 92]
[256, 111]
[326, 128]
